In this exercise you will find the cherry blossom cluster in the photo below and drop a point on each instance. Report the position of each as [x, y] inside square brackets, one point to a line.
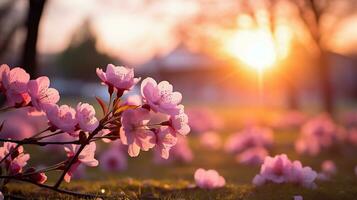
[180, 153]
[317, 134]
[250, 145]
[280, 169]
[202, 119]
[130, 122]
[208, 179]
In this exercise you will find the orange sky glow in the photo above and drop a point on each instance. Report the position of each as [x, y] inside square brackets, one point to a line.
[135, 33]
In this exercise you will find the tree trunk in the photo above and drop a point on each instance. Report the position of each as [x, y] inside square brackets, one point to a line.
[29, 60]
[326, 84]
[292, 96]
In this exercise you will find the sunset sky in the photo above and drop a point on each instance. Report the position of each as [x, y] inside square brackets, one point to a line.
[136, 30]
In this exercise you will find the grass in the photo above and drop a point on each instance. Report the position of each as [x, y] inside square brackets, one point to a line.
[145, 180]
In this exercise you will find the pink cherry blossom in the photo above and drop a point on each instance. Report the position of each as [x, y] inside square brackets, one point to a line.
[37, 177]
[203, 119]
[160, 97]
[113, 159]
[252, 156]
[62, 117]
[249, 137]
[303, 176]
[210, 140]
[179, 123]
[40, 178]
[208, 179]
[298, 197]
[165, 140]
[307, 146]
[86, 157]
[318, 133]
[134, 131]
[41, 94]
[119, 77]
[85, 115]
[14, 83]
[181, 152]
[16, 127]
[276, 169]
[329, 167]
[17, 160]
[134, 100]
[280, 169]
[352, 136]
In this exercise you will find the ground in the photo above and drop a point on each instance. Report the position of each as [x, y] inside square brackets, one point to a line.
[145, 180]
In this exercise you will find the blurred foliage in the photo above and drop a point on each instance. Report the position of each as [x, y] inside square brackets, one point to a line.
[81, 58]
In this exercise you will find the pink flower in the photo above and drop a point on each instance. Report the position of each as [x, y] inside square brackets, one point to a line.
[63, 117]
[309, 146]
[160, 97]
[281, 170]
[86, 157]
[14, 83]
[210, 140]
[165, 140]
[318, 133]
[119, 77]
[252, 156]
[181, 152]
[134, 131]
[298, 197]
[40, 178]
[36, 177]
[352, 136]
[113, 160]
[16, 127]
[41, 94]
[329, 167]
[276, 169]
[208, 179]
[179, 123]
[203, 119]
[249, 137]
[134, 100]
[85, 116]
[17, 160]
[303, 176]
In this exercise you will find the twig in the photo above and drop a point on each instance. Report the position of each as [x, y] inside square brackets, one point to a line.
[34, 142]
[54, 188]
[74, 158]
[8, 154]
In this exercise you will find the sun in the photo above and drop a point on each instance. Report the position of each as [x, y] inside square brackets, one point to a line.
[254, 47]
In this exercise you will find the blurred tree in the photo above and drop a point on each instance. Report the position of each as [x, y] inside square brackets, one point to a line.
[29, 54]
[6, 35]
[311, 13]
[81, 58]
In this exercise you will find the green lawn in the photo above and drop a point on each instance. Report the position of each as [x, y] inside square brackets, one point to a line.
[145, 180]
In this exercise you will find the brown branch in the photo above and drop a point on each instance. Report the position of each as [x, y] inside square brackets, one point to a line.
[75, 157]
[34, 142]
[53, 188]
